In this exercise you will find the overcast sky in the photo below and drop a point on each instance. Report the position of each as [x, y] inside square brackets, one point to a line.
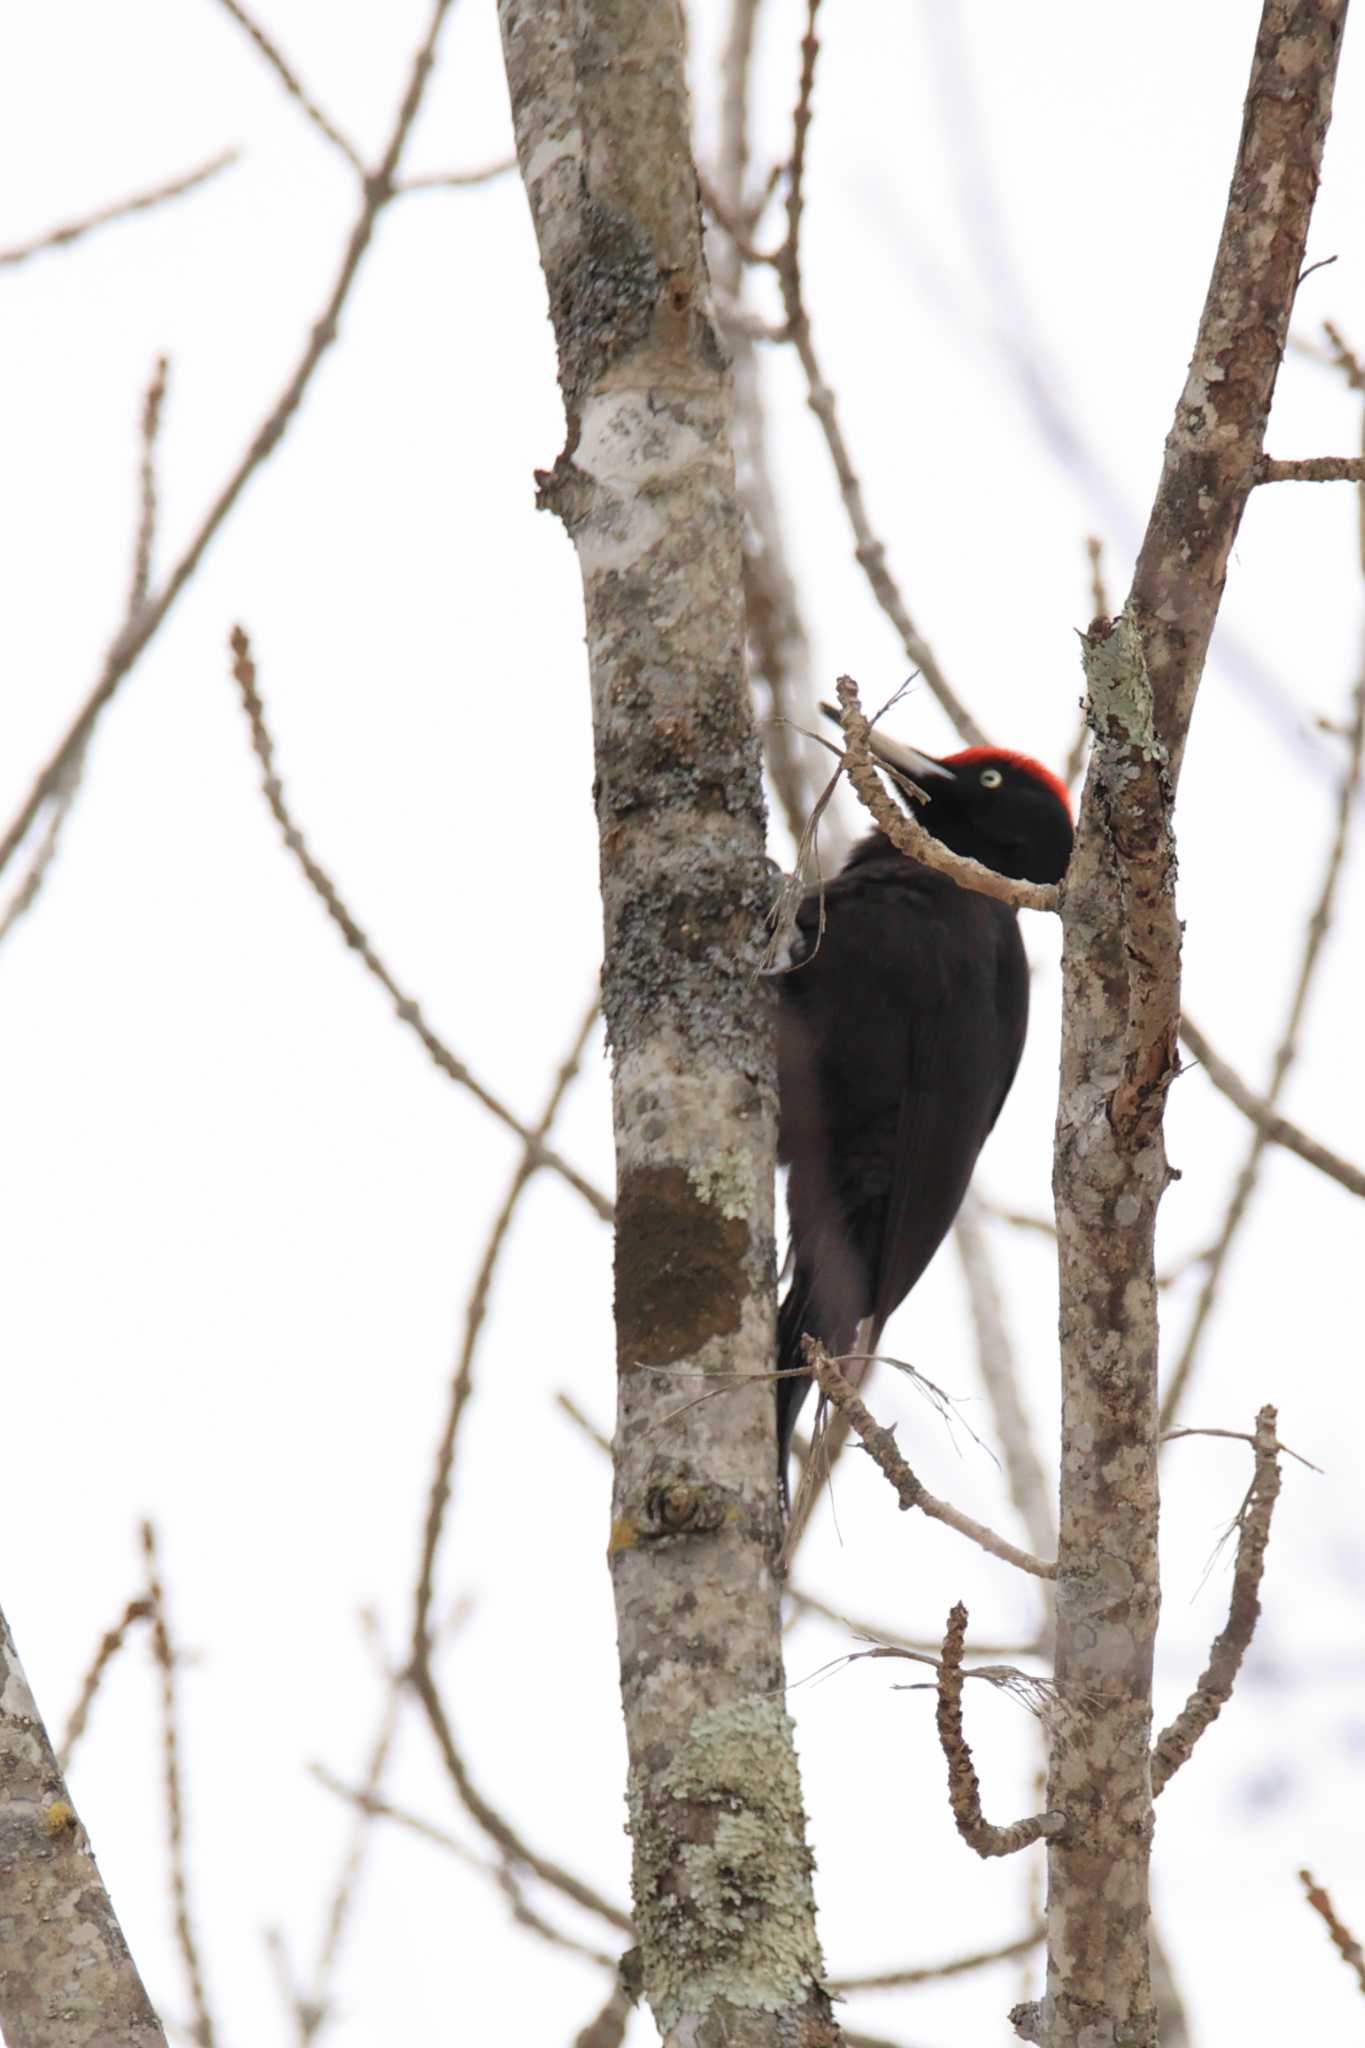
[240, 1208]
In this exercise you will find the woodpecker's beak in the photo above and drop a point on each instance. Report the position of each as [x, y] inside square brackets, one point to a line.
[896, 755]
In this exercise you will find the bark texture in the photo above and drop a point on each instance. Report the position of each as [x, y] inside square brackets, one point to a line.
[66, 1977]
[1121, 994]
[646, 489]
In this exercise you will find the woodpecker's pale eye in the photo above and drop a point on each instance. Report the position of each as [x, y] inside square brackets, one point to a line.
[991, 778]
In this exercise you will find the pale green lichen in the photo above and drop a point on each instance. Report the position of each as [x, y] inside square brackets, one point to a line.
[1120, 687]
[726, 1181]
[723, 1900]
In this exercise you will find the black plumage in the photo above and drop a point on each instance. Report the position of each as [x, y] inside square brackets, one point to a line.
[900, 1030]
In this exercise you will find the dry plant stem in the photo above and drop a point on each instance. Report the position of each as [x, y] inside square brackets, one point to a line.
[645, 487]
[407, 1010]
[73, 231]
[1120, 1008]
[1347, 1947]
[929, 1973]
[130, 641]
[1259, 1111]
[1174, 1744]
[146, 523]
[882, 1446]
[904, 832]
[203, 2031]
[964, 1793]
[292, 84]
[66, 1977]
[109, 1647]
[1315, 933]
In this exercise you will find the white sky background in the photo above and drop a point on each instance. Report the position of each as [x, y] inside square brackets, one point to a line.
[241, 1210]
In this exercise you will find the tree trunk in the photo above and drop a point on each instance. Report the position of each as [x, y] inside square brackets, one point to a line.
[646, 489]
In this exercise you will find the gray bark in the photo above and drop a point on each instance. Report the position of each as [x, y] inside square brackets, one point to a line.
[645, 487]
[66, 1977]
[1121, 995]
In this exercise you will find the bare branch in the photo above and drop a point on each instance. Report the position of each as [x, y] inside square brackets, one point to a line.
[72, 231]
[964, 1793]
[369, 1804]
[130, 641]
[293, 85]
[955, 1966]
[110, 1644]
[1173, 1746]
[1257, 1109]
[575, 1414]
[873, 1631]
[1311, 469]
[1030, 1490]
[904, 832]
[607, 2029]
[869, 551]
[1268, 1107]
[1345, 1942]
[405, 1007]
[882, 1446]
[204, 2033]
[455, 181]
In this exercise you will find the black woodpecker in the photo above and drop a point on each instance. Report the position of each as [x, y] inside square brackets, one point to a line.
[900, 1027]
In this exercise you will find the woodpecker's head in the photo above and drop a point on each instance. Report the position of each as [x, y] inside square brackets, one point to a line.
[1002, 809]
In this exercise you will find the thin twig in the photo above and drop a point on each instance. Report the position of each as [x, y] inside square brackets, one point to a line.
[869, 551]
[73, 231]
[371, 1806]
[405, 1007]
[186, 1939]
[146, 523]
[575, 1414]
[455, 181]
[882, 1446]
[462, 1382]
[66, 784]
[1345, 1942]
[1173, 1746]
[293, 85]
[420, 1673]
[1277, 1129]
[130, 641]
[955, 1966]
[1285, 1052]
[904, 832]
[313, 2012]
[964, 1792]
[1030, 1491]
[875, 1632]
[110, 1644]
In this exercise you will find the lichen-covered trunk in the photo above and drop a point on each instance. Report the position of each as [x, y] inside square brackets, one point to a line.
[1121, 997]
[645, 486]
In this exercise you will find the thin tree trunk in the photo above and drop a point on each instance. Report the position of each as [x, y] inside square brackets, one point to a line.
[645, 486]
[1121, 995]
